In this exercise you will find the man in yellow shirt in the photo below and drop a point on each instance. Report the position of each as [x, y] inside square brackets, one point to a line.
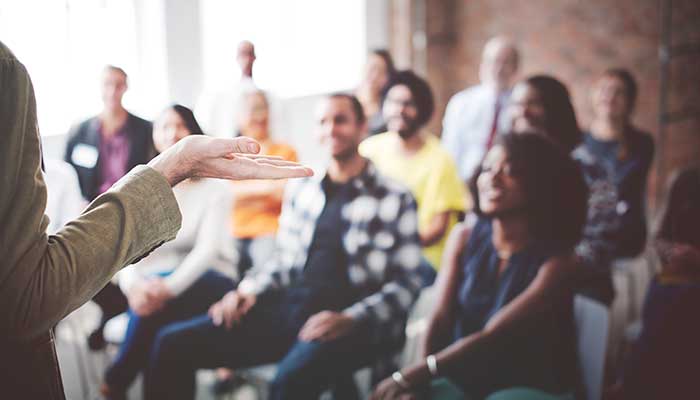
[413, 156]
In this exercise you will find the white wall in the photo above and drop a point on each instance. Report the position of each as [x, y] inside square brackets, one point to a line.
[171, 50]
[184, 51]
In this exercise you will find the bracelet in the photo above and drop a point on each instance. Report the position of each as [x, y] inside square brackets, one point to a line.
[400, 380]
[432, 365]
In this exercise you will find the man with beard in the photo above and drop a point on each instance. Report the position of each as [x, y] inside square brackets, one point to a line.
[414, 157]
[336, 294]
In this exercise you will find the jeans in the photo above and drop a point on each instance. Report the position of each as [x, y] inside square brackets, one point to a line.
[141, 331]
[267, 334]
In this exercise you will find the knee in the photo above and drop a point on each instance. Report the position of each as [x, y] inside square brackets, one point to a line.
[288, 383]
[169, 346]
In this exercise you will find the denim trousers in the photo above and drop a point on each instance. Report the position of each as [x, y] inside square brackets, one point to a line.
[267, 334]
[141, 331]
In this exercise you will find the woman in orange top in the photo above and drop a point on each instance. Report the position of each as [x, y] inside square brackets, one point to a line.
[257, 203]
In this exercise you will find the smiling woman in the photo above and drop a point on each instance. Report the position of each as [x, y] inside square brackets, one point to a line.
[504, 315]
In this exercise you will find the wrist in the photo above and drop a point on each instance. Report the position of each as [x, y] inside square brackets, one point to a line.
[417, 375]
[166, 166]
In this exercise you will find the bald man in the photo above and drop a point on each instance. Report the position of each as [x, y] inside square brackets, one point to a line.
[476, 115]
[218, 109]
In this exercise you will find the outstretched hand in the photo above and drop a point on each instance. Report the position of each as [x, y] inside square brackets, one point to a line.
[199, 156]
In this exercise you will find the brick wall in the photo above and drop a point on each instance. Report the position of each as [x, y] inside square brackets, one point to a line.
[573, 40]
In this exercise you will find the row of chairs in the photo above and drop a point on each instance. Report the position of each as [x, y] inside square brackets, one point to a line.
[602, 333]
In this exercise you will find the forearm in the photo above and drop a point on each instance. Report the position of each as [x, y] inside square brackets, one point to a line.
[61, 272]
[435, 231]
[436, 337]
[452, 360]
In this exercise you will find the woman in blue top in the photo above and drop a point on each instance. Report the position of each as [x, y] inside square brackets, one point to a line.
[504, 312]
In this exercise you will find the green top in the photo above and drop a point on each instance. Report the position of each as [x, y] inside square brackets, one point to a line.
[43, 278]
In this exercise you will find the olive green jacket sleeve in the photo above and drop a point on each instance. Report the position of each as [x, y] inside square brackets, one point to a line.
[43, 278]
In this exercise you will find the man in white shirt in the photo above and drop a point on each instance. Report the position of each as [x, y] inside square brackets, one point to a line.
[476, 115]
[218, 110]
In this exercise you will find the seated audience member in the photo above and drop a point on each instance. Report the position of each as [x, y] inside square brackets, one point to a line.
[102, 149]
[625, 154]
[542, 104]
[257, 204]
[662, 363]
[505, 290]
[371, 92]
[475, 116]
[333, 299]
[413, 156]
[64, 201]
[183, 277]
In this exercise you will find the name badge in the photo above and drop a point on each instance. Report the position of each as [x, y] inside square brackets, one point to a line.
[84, 155]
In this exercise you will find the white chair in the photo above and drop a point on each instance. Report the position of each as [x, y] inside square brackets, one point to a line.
[592, 321]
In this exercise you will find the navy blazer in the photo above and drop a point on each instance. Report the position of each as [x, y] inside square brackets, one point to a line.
[141, 149]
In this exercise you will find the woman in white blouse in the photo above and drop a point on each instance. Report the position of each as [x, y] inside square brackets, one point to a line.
[183, 277]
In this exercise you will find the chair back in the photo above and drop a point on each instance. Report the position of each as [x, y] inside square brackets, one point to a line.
[592, 323]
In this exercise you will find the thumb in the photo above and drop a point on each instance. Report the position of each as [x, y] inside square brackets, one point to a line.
[243, 145]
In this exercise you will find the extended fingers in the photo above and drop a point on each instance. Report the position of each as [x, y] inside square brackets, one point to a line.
[257, 156]
[240, 168]
[280, 170]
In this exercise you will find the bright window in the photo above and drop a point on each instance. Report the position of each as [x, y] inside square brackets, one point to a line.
[303, 47]
[65, 44]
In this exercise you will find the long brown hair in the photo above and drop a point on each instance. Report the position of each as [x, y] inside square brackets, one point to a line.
[631, 91]
[560, 118]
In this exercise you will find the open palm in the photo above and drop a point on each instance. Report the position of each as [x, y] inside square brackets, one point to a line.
[235, 159]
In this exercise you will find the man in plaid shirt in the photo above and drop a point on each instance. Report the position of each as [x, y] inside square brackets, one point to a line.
[337, 293]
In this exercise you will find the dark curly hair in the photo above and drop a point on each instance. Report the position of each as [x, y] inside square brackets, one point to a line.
[556, 194]
[420, 91]
[560, 117]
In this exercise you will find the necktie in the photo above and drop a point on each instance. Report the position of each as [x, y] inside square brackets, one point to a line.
[494, 125]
